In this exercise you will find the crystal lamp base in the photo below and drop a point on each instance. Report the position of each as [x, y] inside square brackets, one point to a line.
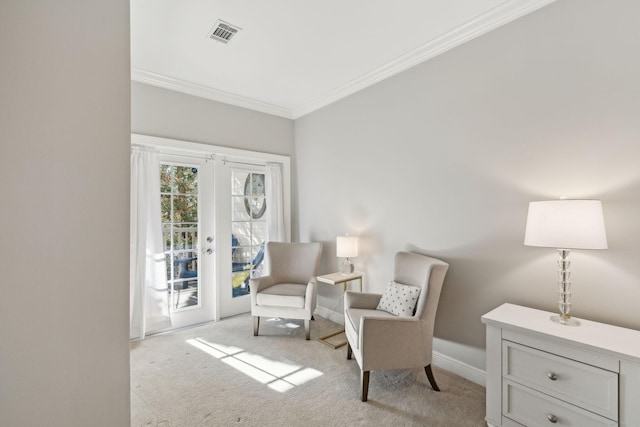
[347, 267]
[569, 321]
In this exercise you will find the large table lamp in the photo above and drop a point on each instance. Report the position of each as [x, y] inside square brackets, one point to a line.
[565, 224]
[346, 247]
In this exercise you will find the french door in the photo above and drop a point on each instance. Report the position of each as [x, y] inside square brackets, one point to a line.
[187, 200]
[214, 226]
[241, 207]
[211, 253]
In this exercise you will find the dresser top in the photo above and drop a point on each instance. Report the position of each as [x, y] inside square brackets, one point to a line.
[621, 341]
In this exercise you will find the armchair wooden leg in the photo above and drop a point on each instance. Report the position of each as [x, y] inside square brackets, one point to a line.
[307, 330]
[256, 325]
[431, 378]
[349, 351]
[365, 385]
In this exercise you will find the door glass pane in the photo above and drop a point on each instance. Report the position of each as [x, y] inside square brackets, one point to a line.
[185, 208]
[258, 232]
[248, 228]
[185, 180]
[179, 209]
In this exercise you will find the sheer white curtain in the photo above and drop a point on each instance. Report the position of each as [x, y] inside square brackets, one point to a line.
[149, 308]
[276, 231]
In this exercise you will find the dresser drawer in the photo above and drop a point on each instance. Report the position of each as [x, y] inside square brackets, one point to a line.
[532, 409]
[583, 385]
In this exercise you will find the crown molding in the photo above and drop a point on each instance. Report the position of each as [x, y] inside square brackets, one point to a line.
[502, 14]
[178, 85]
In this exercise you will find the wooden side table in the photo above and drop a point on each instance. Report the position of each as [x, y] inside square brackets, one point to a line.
[336, 279]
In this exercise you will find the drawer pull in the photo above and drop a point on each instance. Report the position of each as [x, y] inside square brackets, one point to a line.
[552, 376]
[552, 418]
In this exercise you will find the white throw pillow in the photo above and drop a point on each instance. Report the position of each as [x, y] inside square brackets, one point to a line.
[399, 299]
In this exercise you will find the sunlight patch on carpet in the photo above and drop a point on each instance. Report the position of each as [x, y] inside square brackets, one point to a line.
[287, 325]
[279, 376]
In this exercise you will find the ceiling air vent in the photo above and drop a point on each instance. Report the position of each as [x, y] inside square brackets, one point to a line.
[223, 31]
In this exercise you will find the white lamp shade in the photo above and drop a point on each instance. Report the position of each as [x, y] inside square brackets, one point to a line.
[566, 224]
[346, 246]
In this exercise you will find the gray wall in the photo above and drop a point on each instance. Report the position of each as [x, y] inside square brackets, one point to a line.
[444, 158]
[64, 169]
[168, 114]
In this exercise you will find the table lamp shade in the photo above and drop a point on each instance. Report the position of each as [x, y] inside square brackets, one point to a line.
[346, 246]
[566, 224]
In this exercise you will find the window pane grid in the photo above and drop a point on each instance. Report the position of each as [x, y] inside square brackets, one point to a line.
[179, 210]
[248, 227]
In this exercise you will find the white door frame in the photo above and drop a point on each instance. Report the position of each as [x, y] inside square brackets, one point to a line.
[222, 209]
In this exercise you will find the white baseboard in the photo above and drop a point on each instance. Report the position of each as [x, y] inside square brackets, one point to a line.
[440, 360]
[466, 371]
[330, 315]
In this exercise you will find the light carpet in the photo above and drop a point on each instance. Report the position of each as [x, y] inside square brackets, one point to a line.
[219, 374]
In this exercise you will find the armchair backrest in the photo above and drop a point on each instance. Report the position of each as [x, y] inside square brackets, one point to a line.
[292, 262]
[428, 274]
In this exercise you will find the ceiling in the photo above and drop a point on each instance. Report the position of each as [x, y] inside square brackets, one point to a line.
[292, 57]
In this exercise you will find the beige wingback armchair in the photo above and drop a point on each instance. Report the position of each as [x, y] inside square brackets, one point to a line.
[289, 289]
[380, 340]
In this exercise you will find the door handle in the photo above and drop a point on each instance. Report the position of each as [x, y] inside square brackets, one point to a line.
[208, 251]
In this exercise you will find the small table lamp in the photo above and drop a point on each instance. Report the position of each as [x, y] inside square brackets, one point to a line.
[564, 225]
[346, 247]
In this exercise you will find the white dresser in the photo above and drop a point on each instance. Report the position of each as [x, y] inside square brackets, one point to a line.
[541, 373]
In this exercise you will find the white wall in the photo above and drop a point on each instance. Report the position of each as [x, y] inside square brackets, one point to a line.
[444, 158]
[64, 169]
